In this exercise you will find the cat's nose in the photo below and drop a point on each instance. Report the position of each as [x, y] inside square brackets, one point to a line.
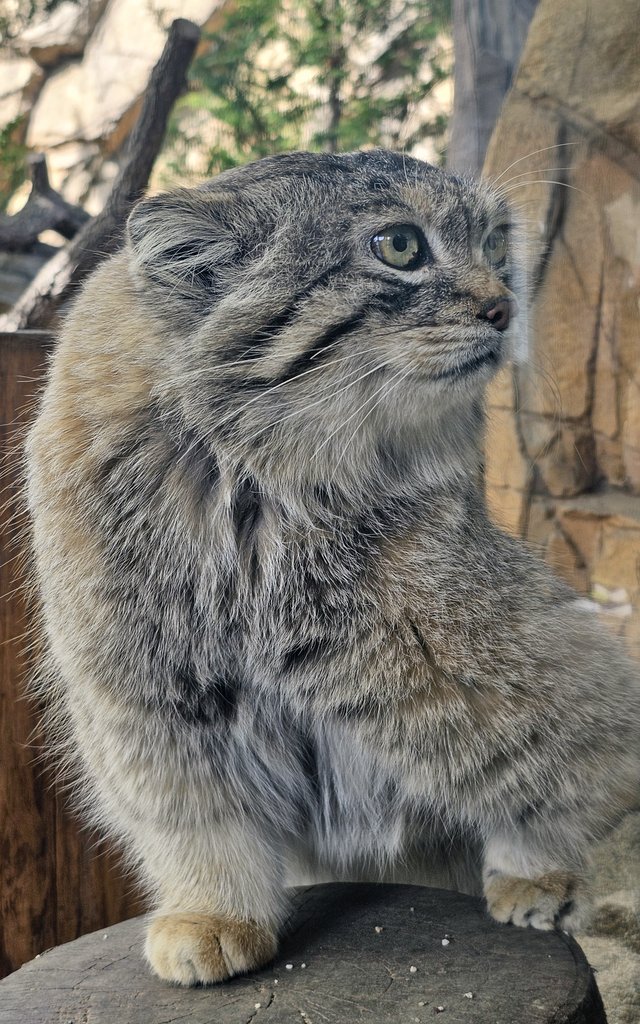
[498, 312]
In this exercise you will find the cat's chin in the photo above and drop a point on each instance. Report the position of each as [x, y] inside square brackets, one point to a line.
[481, 366]
[486, 361]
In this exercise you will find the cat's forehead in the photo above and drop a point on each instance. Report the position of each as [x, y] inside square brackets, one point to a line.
[378, 182]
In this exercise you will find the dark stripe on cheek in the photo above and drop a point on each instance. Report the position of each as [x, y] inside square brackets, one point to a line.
[391, 302]
[311, 356]
[385, 281]
[252, 347]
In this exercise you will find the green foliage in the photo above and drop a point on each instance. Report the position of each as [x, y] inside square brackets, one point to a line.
[257, 106]
[315, 74]
[13, 160]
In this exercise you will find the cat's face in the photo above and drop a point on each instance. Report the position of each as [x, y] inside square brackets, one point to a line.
[321, 301]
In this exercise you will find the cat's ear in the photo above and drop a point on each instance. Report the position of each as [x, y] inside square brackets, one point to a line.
[181, 243]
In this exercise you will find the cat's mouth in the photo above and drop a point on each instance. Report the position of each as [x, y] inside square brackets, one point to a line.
[490, 357]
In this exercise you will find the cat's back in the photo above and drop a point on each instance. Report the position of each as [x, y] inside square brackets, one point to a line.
[117, 506]
[99, 379]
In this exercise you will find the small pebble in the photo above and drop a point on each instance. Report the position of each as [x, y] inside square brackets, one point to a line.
[275, 981]
[378, 928]
[303, 966]
[104, 936]
[445, 942]
[468, 995]
[412, 909]
[257, 1006]
[422, 1003]
[288, 967]
[413, 970]
[439, 1009]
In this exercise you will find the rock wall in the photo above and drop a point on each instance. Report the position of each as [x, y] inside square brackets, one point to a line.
[76, 79]
[563, 451]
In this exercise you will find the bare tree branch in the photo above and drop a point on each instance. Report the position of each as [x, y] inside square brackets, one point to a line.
[61, 276]
[45, 209]
[488, 36]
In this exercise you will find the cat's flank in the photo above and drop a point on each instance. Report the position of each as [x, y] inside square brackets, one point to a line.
[283, 634]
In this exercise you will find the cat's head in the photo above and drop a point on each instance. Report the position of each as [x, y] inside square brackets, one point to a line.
[316, 308]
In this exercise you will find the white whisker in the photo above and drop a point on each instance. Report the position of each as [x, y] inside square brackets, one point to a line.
[546, 181]
[359, 409]
[281, 384]
[310, 405]
[527, 156]
[392, 385]
[524, 174]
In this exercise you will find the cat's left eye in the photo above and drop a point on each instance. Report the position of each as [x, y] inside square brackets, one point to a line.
[401, 246]
[495, 246]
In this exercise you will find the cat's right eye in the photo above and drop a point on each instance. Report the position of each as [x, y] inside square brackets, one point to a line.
[401, 246]
[496, 246]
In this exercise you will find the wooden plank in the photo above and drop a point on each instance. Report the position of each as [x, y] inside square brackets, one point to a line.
[54, 885]
[486, 973]
[27, 811]
[92, 889]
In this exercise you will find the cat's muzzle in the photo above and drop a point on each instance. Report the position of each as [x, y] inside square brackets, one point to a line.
[498, 312]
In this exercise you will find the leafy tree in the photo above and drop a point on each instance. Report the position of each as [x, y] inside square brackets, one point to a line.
[369, 101]
[316, 74]
[13, 160]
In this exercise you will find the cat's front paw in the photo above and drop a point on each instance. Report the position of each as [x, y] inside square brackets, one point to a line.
[192, 949]
[550, 901]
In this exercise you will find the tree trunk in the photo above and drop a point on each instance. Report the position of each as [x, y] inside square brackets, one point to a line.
[488, 36]
[350, 952]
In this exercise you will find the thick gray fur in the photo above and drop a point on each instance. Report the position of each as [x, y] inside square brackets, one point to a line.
[284, 635]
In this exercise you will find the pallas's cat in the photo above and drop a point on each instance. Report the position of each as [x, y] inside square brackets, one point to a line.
[282, 630]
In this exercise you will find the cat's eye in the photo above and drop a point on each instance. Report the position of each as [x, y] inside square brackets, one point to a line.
[401, 246]
[496, 245]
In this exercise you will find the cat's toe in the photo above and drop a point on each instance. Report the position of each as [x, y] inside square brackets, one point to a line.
[544, 903]
[192, 949]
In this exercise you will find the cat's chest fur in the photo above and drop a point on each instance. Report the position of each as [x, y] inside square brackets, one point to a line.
[243, 581]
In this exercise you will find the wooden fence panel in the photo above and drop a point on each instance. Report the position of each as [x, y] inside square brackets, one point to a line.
[54, 884]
